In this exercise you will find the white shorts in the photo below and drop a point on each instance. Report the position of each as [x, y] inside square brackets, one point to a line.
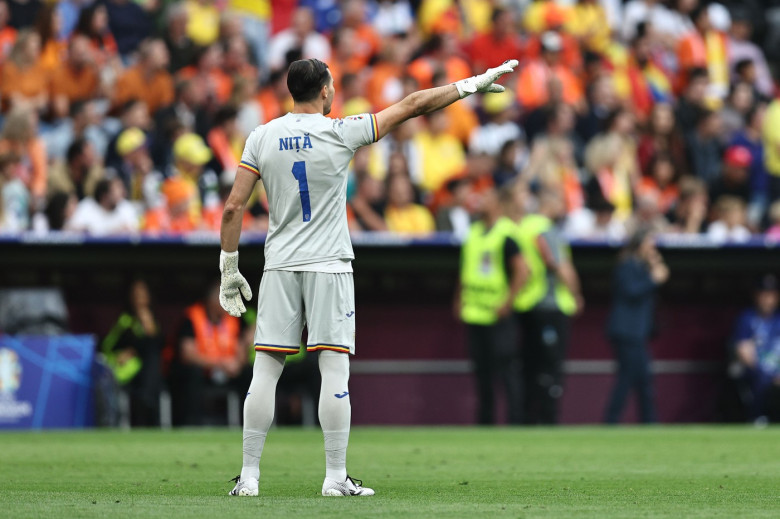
[324, 302]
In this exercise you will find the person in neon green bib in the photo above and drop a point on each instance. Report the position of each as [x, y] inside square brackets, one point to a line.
[544, 306]
[492, 272]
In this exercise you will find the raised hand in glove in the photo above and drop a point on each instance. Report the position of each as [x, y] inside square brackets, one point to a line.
[485, 82]
[232, 285]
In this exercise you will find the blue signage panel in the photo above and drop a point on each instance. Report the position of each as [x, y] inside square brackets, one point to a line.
[46, 381]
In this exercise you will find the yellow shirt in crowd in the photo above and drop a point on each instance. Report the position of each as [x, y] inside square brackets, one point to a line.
[411, 219]
[442, 158]
[772, 138]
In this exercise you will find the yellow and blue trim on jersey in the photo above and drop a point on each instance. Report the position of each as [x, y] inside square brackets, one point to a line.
[332, 347]
[374, 128]
[290, 350]
[249, 167]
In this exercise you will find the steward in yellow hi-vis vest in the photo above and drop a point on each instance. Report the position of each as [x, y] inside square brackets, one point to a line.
[544, 307]
[491, 274]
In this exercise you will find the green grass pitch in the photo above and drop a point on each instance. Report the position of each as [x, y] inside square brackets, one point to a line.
[417, 472]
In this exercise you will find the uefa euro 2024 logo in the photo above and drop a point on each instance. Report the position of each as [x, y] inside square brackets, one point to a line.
[10, 371]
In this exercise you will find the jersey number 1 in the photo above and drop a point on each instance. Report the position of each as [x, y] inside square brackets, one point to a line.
[299, 172]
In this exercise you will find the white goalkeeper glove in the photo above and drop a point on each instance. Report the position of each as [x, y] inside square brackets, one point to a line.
[232, 285]
[484, 82]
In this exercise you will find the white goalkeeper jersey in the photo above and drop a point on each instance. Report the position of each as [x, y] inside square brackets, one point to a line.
[302, 160]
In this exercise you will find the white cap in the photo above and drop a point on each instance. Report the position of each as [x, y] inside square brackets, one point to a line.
[551, 41]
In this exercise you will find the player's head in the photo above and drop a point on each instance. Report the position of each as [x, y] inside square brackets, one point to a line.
[309, 80]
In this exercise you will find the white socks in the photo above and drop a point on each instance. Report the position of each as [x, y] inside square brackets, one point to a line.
[259, 409]
[335, 412]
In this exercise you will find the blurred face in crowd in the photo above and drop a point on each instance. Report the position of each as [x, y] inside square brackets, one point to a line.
[397, 166]
[766, 301]
[489, 206]
[100, 20]
[663, 172]
[697, 89]
[438, 122]
[624, 123]
[136, 115]
[735, 175]
[32, 48]
[211, 58]
[662, 119]
[741, 30]
[80, 52]
[302, 22]
[113, 196]
[177, 23]
[757, 121]
[353, 13]
[504, 24]
[371, 189]
[711, 126]
[742, 97]
[157, 55]
[400, 191]
[603, 93]
[139, 295]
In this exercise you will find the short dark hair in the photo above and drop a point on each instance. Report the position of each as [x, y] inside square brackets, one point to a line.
[305, 79]
[76, 149]
[742, 64]
[101, 189]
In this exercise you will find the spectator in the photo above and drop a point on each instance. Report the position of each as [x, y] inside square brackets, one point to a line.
[552, 167]
[662, 137]
[77, 77]
[648, 12]
[23, 78]
[106, 213]
[690, 213]
[704, 146]
[20, 137]
[692, 102]
[393, 17]
[132, 114]
[202, 22]
[402, 215]
[209, 73]
[225, 139]
[47, 25]
[773, 233]
[441, 154]
[133, 349]
[366, 208]
[492, 48]
[301, 35]
[79, 173]
[7, 33]
[739, 102]
[181, 48]
[463, 119]
[511, 160]
[149, 80]
[735, 178]
[453, 216]
[441, 51]
[661, 182]
[236, 62]
[255, 17]
[93, 25]
[647, 215]
[14, 197]
[771, 138]
[176, 211]
[741, 49]
[588, 23]
[137, 172]
[602, 101]
[533, 82]
[757, 348]
[611, 159]
[500, 127]
[129, 24]
[60, 210]
[596, 222]
[640, 271]
[190, 157]
[730, 219]
[704, 47]
[367, 42]
[491, 275]
[211, 352]
[23, 12]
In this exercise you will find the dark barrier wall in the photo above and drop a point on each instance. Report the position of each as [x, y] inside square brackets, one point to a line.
[411, 365]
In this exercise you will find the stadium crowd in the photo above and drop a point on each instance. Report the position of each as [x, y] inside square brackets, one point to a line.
[127, 116]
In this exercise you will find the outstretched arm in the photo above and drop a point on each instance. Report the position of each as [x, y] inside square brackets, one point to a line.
[427, 101]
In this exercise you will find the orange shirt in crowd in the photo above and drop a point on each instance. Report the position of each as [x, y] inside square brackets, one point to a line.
[485, 51]
[52, 54]
[34, 171]
[367, 44]
[75, 84]
[422, 69]
[378, 86]
[29, 82]
[218, 82]
[156, 92]
[666, 196]
[216, 342]
[463, 120]
[709, 51]
[532, 85]
[571, 56]
[104, 49]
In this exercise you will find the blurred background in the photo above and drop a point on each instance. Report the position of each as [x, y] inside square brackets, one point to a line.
[122, 123]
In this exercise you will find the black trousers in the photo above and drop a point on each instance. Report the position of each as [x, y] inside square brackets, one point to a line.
[493, 351]
[189, 385]
[545, 342]
[633, 375]
[144, 389]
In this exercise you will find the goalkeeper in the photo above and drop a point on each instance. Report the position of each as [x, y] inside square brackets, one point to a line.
[302, 159]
